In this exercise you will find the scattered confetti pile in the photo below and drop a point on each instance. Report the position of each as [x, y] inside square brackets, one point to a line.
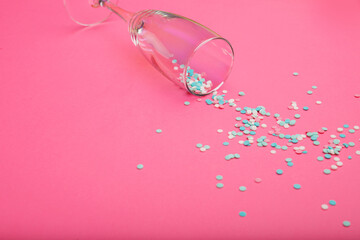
[253, 121]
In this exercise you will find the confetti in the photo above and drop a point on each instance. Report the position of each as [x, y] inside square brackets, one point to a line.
[324, 206]
[242, 188]
[346, 223]
[242, 214]
[219, 177]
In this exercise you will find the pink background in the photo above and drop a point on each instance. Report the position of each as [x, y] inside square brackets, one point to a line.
[79, 109]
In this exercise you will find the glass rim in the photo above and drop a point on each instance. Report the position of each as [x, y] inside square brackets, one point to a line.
[201, 44]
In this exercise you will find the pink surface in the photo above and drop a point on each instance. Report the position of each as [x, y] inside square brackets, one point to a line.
[79, 109]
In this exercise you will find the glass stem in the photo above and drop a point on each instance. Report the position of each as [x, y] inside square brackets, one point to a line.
[125, 15]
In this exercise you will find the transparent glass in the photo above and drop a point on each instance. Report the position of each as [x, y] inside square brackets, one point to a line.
[186, 52]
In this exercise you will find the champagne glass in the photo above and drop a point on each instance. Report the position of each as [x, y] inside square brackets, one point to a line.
[186, 52]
